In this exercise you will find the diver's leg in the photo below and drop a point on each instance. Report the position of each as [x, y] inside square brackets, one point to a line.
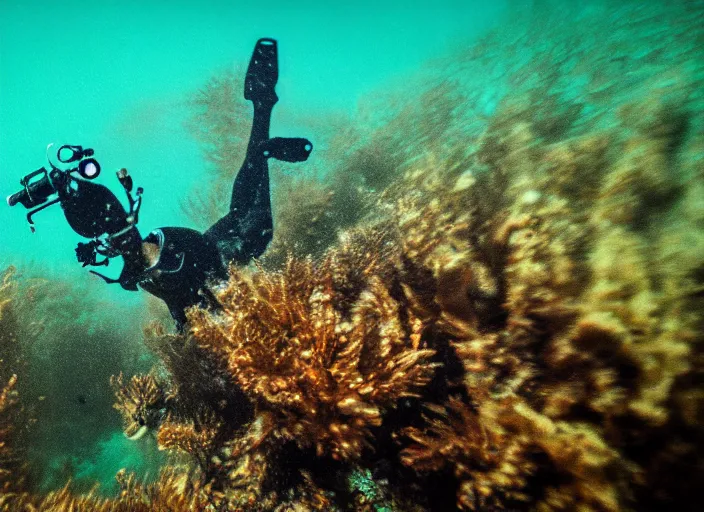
[250, 203]
[251, 187]
[250, 199]
[246, 230]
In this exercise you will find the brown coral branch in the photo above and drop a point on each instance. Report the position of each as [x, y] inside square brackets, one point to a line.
[327, 379]
[140, 402]
[489, 461]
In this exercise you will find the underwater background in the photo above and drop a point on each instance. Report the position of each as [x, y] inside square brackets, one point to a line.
[118, 77]
[485, 288]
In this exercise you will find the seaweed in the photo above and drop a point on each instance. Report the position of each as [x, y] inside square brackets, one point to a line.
[508, 316]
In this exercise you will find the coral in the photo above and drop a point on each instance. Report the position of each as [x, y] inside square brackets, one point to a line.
[10, 460]
[491, 462]
[310, 358]
[201, 383]
[301, 202]
[507, 311]
[194, 439]
[581, 357]
[327, 375]
[140, 402]
[369, 494]
[169, 493]
[508, 315]
[15, 419]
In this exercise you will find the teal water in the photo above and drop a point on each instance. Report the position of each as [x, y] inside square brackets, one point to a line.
[116, 76]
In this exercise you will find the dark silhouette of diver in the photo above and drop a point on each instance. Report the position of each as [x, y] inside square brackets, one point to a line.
[174, 263]
[182, 259]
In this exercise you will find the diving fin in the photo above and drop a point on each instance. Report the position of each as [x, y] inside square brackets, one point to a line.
[288, 149]
[262, 73]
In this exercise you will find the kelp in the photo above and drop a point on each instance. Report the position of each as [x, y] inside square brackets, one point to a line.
[507, 317]
[576, 337]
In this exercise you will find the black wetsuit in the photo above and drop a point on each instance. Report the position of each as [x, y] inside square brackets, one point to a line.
[188, 259]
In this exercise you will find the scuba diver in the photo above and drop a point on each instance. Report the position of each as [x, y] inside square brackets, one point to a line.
[172, 263]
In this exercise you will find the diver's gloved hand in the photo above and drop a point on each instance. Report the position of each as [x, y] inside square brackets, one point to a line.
[288, 149]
